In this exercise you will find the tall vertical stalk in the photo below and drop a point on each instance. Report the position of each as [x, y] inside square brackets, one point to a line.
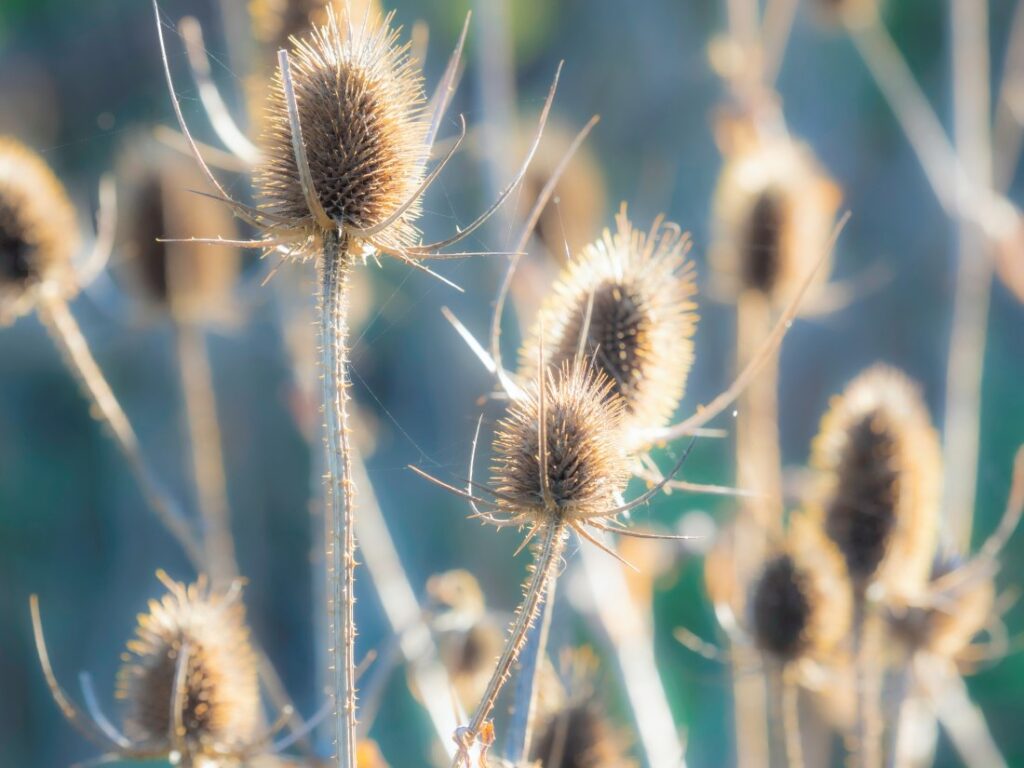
[545, 567]
[335, 276]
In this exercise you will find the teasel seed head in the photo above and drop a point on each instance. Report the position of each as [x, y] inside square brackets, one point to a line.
[221, 701]
[800, 603]
[773, 213]
[361, 105]
[641, 323]
[191, 282]
[579, 735]
[275, 22]
[38, 231]
[585, 466]
[880, 474]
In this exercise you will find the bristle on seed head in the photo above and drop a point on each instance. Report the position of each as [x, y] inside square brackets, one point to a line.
[220, 702]
[773, 213]
[360, 103]
[38, 230]
[586, 466]
[639, 328]
[880, 473]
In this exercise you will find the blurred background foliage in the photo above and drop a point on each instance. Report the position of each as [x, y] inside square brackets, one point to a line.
[76, 78]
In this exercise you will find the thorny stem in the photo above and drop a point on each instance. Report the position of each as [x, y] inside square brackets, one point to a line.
[207, 454]
[64, 330]
[545, 567]
[335, 275]
[520, 730]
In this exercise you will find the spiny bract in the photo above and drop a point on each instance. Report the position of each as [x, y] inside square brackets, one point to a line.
[642, 323]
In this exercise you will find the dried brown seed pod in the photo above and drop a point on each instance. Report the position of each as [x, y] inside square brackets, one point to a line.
[880, 477]
[584, 465]
[360, 103]
[773, 213]
[199, 640]
[579, 735]
[38, 231]
[631, 295]
[189, 280]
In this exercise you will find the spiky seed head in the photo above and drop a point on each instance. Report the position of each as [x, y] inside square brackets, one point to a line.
[642, 322]
[361, 107]
[221, 703]
[586, 465]
[191, 281]
[880, 473]
[800, 602]
[38, 230]
[773, 212]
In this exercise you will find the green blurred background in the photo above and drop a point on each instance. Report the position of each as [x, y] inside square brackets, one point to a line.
[76, 77]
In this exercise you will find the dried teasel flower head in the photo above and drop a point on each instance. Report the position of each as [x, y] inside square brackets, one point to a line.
[773, 213]
[879, 467]
[197, 639]
[800, 603]
[582, 466]
[360, 103]
[190, 281]
[629, 298]
[38, 231]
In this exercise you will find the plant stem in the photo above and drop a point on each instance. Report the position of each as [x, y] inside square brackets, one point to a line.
[335, 277]
[207, 453]
[64, 330]
[545, 567]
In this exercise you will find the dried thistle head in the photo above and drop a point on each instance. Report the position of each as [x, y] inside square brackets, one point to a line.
[880, 475]
[38, 231]
[585, 466]
[636, 289]
[800, 604]
[360, 103]
[773, 212]
[191, 281]
[203, 635]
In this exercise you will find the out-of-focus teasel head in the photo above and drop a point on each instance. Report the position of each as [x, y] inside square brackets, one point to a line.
[879, 467]
[189, 683]
[800, 604]
[773, 212]
[581, 468]
[794, 606]
[579, 735]
[276, 22]
[627, 301]
[191, 282]
[191, 663]
[468, 637]
[38, 232]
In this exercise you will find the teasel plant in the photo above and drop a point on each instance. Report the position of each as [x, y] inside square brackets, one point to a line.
[879, 478]
[970, 176]
[356, 104]
[40, 274]
[557, 469]
[792, 610]
[189, 681]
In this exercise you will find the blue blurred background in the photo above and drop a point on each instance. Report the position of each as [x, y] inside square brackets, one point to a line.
[76, 78]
